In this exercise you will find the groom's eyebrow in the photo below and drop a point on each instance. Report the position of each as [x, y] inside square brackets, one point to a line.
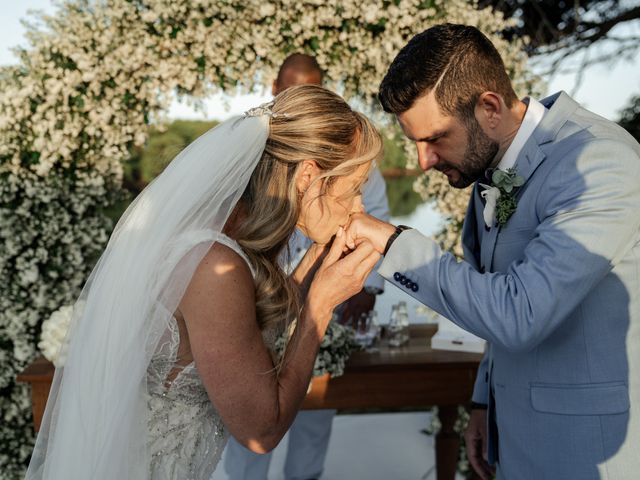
[432, 137]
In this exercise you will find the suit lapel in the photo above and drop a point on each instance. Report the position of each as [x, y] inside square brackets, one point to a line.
[470, 242]
[488, 246]
[561, 107]
[528, 161]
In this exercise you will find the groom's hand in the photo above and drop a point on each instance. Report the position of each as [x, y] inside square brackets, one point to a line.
[365, 227]
[475, 439]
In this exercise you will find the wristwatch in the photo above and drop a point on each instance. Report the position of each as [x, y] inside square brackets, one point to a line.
[394, 235]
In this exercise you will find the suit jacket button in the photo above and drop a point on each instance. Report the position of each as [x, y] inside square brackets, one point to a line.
[403, 280]
[414, 287]
[397, 276]
[409, 284]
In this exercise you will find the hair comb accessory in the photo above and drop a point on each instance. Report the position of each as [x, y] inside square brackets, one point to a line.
[265, 109]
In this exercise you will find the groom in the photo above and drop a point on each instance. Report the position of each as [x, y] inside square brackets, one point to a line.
[551, 275]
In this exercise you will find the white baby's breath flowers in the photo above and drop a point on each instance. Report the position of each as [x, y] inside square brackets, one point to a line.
[54, 335]
[335, 349]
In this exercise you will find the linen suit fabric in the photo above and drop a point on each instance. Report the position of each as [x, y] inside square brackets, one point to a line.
[310, 432]
[555, 294]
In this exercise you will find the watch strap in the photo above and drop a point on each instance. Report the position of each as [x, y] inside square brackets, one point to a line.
[394, 235]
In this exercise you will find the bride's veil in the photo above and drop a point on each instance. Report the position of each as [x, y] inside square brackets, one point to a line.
[96, 417]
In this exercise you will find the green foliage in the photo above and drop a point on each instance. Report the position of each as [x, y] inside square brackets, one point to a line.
[159, 151]
[403, 199]
[394, 154]
[505, 207]
[506, 182]
[162, 146]
[148, 162]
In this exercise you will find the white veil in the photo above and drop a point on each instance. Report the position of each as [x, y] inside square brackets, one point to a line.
[95, 423]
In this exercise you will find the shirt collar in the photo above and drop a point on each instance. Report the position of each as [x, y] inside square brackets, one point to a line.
[532, 118]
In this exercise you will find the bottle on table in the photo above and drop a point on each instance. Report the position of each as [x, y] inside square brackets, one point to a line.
[399, 325]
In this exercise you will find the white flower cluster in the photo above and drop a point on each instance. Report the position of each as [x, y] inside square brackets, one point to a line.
[96, 75]
[54, 334]
[51, 233]
[335, 349]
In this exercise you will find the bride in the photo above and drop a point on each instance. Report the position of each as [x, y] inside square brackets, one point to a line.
[171, 344]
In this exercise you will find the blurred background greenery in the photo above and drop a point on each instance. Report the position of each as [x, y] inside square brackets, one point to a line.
[165, 143]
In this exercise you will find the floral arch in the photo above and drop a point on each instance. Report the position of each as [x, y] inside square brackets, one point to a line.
[99, 72]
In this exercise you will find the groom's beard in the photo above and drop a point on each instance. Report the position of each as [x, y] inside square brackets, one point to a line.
[480, 152]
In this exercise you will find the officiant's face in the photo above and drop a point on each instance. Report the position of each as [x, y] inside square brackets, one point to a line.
[460, 150]
[325, 208]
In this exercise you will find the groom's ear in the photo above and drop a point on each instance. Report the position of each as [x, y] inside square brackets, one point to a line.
[308, 171]
[489, 110]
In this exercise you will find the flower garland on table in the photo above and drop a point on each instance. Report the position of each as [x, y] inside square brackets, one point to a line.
[335, 349]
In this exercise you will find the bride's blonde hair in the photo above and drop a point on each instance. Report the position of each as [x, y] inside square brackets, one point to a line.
[310, 122]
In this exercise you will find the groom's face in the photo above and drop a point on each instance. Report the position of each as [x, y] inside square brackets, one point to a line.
[460, 150]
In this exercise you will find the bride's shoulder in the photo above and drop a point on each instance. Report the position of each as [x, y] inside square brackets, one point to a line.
[226, 262]
[221, 281]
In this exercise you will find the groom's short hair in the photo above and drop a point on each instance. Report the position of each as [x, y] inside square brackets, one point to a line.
[457, 60]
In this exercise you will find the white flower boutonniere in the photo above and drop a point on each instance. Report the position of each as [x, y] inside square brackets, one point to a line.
[500, 196]
[491, 196]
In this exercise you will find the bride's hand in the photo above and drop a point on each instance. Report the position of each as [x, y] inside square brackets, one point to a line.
[306, 269]
[340, 275]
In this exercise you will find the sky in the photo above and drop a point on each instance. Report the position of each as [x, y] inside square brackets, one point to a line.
[605, 90]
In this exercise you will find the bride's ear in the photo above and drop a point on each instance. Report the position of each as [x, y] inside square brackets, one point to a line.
[308, 171]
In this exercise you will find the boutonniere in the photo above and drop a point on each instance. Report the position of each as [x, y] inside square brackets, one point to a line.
[500, 202]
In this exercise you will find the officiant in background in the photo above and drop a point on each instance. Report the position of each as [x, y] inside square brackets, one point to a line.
[310, 433]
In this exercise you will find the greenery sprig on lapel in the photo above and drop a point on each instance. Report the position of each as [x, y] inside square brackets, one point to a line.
[508, 183]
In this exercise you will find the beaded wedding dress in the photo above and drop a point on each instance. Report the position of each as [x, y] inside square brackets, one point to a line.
[186, 434]
[128, 402]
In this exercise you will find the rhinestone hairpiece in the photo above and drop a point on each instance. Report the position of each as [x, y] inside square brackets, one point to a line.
[265, 109]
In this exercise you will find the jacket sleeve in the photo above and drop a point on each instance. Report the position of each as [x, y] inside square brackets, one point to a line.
[588, 221]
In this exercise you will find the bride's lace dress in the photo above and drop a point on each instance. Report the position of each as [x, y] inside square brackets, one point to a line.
[186, 436]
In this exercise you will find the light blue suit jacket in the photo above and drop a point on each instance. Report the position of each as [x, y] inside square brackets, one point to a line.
[556, 293]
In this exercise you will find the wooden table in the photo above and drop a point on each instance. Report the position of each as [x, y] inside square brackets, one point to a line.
[410, 377]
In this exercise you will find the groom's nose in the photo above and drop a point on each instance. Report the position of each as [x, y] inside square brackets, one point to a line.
[427, 158]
